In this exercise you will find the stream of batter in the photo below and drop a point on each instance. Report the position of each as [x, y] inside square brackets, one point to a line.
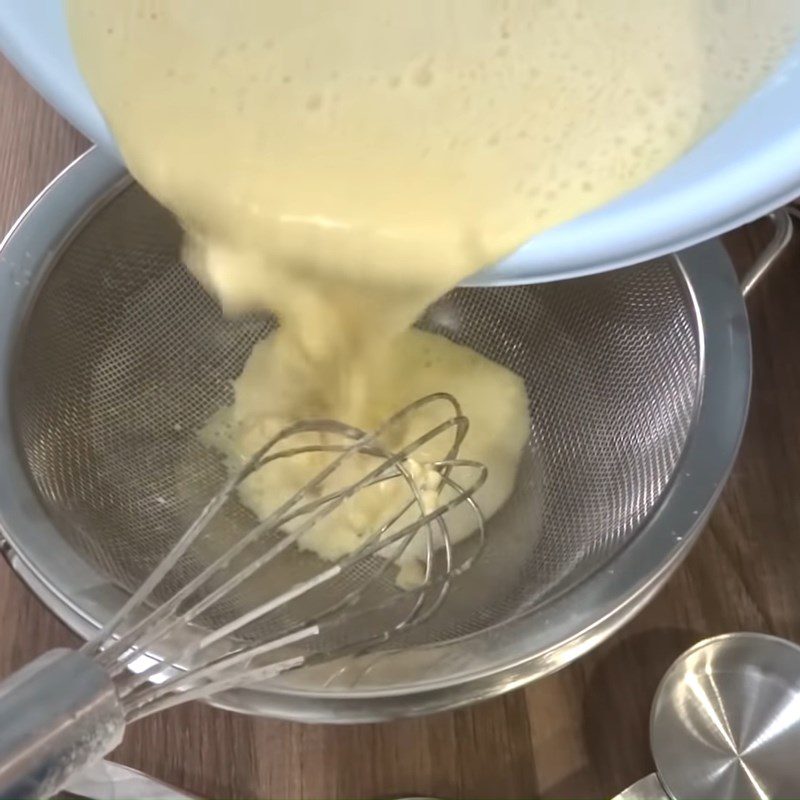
[343, 164]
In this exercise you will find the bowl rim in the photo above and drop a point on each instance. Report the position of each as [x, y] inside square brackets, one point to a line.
[743, 168]
[526, 647]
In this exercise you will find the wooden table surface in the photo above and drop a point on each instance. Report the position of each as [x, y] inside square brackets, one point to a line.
[580, 733]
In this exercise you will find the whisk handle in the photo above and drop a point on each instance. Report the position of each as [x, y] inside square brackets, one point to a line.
[57, 714]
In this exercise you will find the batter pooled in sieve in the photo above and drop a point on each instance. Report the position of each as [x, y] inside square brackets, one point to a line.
[272, 391]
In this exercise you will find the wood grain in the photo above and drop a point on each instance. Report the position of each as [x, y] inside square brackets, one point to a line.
[580, 733]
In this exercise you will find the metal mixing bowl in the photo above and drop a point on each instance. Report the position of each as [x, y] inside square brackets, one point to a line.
[111, 357]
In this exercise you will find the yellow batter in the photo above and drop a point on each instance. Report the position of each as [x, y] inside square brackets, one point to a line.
[344, 163]
[493, 399]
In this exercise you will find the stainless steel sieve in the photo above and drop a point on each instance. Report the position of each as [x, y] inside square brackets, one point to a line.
[112, 357]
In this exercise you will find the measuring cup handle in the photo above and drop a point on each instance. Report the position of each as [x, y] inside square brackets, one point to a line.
[784, 230]
[57, 714]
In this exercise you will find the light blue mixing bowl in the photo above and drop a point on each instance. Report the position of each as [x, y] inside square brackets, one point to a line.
[747, 167]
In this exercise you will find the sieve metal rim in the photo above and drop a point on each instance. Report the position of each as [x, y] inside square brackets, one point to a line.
[593, 609]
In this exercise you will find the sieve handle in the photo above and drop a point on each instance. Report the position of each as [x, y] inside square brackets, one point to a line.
[57, 715]
[784, 230]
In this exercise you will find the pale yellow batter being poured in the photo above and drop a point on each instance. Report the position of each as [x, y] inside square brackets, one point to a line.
[342, 164]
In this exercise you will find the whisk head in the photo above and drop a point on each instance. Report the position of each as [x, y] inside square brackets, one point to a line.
[338, 608]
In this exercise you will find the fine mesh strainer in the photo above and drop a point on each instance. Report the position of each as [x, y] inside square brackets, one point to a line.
[113, 357]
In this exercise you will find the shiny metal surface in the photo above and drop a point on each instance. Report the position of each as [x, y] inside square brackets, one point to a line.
[105, 780]
[648, 788]
[58, 714]
[111, 357]
[784, 230]
[726, 720]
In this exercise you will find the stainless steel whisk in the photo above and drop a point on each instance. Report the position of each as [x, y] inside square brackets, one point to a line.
[68, 707]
